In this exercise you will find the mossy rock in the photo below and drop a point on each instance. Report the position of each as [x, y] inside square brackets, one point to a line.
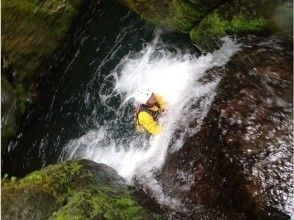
[180, 15]
[31, 31]
[186, 13]
[216, 18]
[151, 10]
[14, 103]
[72, 190]
[241, 17]
[26, 44]
[236, 17]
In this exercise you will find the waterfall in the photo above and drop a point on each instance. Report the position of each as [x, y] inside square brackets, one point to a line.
[175, 75]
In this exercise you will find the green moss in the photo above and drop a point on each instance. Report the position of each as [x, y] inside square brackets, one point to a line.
[106, 204]
[178, 14]
[71, 190]
[56, 180]
[205, 19]
[214, 25]
[28, 46]
[31, 32]
[240, 24]
[184, 15]
[211, 26]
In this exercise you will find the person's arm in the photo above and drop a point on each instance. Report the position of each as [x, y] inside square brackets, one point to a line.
[147, 121]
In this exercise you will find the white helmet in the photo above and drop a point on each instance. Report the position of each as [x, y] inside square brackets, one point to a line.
[142, 95]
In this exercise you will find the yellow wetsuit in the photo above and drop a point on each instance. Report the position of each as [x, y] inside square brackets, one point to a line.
[147, 121]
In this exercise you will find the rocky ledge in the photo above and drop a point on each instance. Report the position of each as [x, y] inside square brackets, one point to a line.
[72, 190]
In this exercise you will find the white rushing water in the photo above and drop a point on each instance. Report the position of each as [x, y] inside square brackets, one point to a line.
[174, 75]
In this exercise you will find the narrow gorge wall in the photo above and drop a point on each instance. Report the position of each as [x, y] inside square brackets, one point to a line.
[31, 33]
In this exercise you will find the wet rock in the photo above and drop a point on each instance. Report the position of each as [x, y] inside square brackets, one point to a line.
[238, 17]
[178, 14]
[240, 163]
[72, 190]
[206, 20]
[31, 32]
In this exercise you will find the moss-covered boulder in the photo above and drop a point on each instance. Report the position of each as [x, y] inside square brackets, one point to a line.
[72, 190]
[237, 17]
[178, 14]
[209, 19]
[31, 31]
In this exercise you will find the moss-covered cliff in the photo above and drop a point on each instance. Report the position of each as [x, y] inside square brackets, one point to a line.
[71, 190]
[31, 31]
[205, 19]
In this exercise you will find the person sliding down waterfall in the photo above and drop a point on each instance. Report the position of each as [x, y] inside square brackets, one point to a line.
[149, 108]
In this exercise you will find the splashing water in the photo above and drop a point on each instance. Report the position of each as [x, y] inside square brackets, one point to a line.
[166, 71]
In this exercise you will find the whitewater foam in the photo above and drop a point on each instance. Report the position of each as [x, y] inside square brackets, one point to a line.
[175, 76]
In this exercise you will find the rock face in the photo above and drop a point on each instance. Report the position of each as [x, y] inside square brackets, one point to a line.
[178, 14]
[203, 19]
[242, 156]
[31, 32]
[72, 190]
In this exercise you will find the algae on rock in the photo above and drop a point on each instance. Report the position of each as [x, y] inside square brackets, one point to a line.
[72, 190]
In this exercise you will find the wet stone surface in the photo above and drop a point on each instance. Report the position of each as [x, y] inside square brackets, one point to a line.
[240, 163]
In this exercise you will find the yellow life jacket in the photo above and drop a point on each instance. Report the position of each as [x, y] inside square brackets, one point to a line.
[147, 117]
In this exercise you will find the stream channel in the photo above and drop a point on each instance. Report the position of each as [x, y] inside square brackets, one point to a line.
[85, 107]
